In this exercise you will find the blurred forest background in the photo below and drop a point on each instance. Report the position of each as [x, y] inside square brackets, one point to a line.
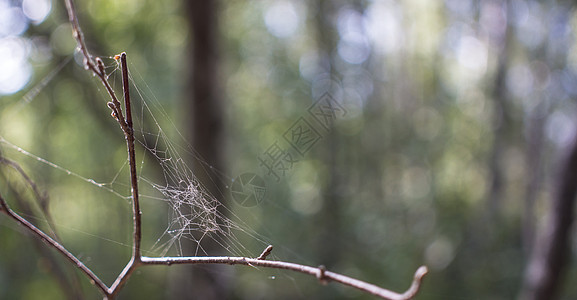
[450, 130]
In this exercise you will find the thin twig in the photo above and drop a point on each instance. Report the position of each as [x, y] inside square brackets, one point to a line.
[54, 244]
[129, 134]
[97, 67]
[123, 277]
[71, 287]
[126, 89]
[136, 213]
[327, 275]
[41, 198]
[90, 64]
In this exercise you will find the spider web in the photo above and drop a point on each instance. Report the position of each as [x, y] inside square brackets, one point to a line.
[196, 220]
[194, 215]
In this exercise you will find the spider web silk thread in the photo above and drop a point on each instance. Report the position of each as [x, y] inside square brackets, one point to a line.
[194, 214]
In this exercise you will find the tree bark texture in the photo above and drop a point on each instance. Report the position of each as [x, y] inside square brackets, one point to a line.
[550, 259]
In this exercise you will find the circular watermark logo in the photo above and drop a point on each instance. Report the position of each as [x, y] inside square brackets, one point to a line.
[248, 189]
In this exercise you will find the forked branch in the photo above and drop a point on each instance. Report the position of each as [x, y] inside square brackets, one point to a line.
[4, 208]
[97, 67]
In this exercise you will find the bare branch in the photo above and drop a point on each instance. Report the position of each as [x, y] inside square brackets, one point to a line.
[129, 135]
[126, 125]
[41, 198]
[123, 277]
[71, 287]
[54, 244]
[326, 275]
[136, 213]
[90, 64]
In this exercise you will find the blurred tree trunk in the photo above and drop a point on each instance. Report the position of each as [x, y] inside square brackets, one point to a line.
[550, 259]
[205, 120]
[329, 216]
[534, 161]
[500, 126]
[205, 102]
[502, 123]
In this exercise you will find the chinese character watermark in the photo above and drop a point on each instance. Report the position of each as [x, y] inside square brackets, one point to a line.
[276, 161]
[248, 189]
[326, 109]
[302, 136]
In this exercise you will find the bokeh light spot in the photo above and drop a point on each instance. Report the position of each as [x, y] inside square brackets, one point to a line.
[36, 10]
[16, 71]
[281, 19]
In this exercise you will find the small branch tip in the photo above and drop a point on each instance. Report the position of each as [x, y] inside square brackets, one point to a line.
[265, 253]
[421, 271]
[100, 65]
[416, 285]
[321, 276]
